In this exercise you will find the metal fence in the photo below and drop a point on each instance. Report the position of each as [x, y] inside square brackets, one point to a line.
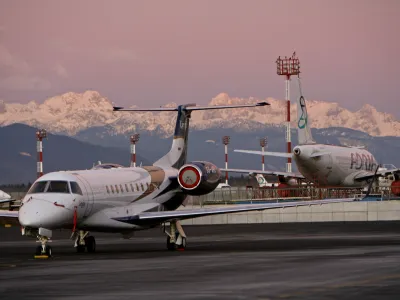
[236, 195]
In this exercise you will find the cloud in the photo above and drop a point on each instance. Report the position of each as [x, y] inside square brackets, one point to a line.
[61, 71]
[25, 83]
[12, 62]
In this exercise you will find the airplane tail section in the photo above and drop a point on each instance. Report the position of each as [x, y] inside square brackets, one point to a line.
[176, 157]
[303, 126]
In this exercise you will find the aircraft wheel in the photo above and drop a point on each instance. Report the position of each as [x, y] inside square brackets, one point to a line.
[80, 248]
[170, 246]
[90, 243]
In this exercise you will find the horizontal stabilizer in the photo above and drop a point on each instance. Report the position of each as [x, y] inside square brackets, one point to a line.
[266, 153]
[119, 108]
[189, 107]
[227, 106]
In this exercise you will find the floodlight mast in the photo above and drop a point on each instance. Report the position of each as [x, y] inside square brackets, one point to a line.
[287, 67]
[263, 144]
[40, 135]
[225, 141]
[134, 139]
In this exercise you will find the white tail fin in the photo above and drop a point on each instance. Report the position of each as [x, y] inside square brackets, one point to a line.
[176, 157]
[303, 126]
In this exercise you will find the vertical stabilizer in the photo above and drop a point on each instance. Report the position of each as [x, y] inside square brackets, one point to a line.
[303, 125]
[176, 157]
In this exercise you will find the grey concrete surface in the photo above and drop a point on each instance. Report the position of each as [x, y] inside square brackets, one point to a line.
[357, 260]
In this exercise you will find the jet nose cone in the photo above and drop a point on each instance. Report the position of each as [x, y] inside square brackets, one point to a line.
[40, 213]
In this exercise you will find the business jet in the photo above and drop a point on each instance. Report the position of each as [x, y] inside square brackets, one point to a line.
[4, 197]
[327, 165]
[127, 199]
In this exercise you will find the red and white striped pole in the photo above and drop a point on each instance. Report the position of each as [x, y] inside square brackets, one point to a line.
[225, 141]
[134, 139]
[40, 135]
[286, 67]
[288, 135]
[263, 143]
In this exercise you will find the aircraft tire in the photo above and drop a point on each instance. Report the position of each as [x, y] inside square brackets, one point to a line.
[90, 243]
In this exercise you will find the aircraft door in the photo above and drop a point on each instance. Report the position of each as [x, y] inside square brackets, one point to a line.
[85, 204]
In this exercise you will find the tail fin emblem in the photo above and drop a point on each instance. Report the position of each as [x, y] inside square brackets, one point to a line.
[303, 118]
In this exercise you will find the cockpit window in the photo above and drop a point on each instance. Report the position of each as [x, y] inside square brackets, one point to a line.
[58, 187]
[38, 187]
[75, 189]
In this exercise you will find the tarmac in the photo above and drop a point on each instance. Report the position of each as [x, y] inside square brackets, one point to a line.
[358, 260]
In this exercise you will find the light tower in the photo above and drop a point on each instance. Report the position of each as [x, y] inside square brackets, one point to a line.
[40, 135]
[134, 139]
[225, 141]
[263, 144]
[287, 67]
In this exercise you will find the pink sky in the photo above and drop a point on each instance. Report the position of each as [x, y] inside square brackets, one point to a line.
[153, 52]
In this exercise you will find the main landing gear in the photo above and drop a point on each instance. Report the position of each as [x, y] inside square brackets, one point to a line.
[84, 241]
[176, 237]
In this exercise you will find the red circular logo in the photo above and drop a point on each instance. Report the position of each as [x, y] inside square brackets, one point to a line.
[189, 177]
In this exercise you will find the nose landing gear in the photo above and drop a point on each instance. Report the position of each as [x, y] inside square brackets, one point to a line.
[43, 235]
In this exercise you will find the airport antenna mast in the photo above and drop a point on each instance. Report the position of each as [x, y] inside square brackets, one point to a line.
[40, 135]
[225, 141]
[287, 67]
[134, 139]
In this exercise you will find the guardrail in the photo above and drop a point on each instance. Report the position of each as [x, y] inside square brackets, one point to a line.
[235, 195]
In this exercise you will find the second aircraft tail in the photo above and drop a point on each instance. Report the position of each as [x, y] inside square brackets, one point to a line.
[303, 126]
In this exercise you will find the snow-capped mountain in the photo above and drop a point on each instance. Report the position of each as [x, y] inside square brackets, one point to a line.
[73, 112]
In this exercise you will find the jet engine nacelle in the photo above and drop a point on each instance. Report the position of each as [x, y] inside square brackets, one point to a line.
[199, 178]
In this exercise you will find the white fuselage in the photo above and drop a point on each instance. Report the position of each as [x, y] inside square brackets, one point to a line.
[103, 195]
[336, 166]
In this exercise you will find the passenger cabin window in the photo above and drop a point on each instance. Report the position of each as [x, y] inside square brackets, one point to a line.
[126, 188]
[122, 189]
[141, 184]
[75, 188]
[38, 187]
[108, 190]
[137, 187]
[116, 188]
[132, 189]
[112, 189]
[58, 187]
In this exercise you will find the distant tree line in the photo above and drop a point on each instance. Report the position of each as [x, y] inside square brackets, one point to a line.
[16, 187]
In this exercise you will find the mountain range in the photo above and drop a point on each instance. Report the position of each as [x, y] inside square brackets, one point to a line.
[72, 113]
[82, 129]
[19, 157]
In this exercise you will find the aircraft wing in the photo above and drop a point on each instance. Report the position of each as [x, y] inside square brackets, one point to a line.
[9, 217]
[277, 173]
[6, 200]
[265, 153]
[167, 216]
[368, 175]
